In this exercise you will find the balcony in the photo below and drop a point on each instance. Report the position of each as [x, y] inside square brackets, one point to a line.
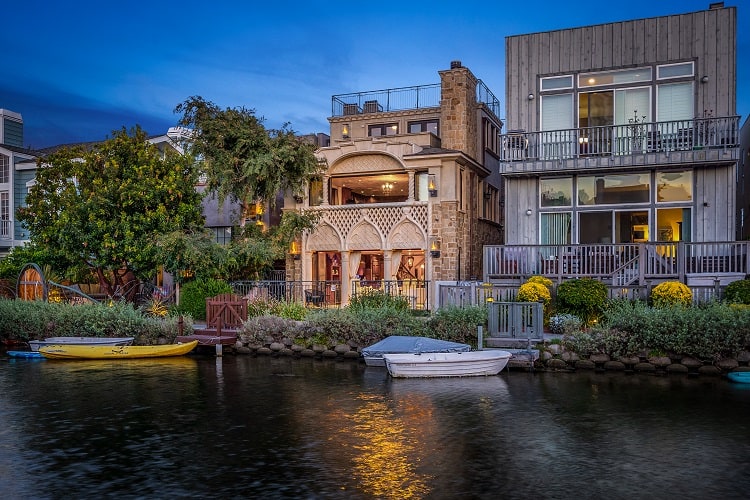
[635, 144]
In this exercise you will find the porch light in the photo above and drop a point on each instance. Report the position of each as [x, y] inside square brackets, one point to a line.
[345, 131]
[432, 185]
[295, 248]
[435, 247]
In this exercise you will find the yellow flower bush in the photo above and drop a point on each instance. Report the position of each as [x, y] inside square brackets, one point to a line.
[542, 280]
[671, 293]
[534, 292]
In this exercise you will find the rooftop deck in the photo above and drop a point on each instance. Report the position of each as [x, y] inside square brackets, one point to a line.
[402, 99]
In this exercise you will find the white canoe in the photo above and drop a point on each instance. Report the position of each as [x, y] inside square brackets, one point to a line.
[36, 344]
[447, 364]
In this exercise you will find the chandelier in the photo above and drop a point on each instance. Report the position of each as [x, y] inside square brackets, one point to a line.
[387, 188]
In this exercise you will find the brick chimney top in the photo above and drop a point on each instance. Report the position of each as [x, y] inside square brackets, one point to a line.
[455, 64]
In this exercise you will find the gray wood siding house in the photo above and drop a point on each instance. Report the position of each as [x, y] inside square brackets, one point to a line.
[622, 134]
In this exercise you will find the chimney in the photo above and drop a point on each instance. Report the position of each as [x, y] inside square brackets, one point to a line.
[457, 64]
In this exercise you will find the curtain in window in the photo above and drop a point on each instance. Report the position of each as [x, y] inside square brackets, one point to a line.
[557, 119]
[395, 263]
[632, 103]
[674, 102]
[555, 228]
[354, 259]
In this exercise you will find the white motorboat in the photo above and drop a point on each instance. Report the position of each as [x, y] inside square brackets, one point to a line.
[105, 341]
[402, 344]
[447, 364]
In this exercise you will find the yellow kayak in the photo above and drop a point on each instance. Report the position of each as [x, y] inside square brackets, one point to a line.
[115, 352]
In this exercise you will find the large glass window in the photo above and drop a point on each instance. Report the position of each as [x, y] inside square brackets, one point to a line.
[613, 189]
[384, 188]
[556, 192]
[674, 186]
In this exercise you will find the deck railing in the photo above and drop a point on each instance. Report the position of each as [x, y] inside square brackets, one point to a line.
[633, 138]
[379, 101]
[620, 264]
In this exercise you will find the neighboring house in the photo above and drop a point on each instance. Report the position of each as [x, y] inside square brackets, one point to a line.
[17, 167]
[410, 189]
[620, 159]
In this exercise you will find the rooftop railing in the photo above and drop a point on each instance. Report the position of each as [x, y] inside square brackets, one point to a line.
[379, 101]
[401, 99]
[633, 138]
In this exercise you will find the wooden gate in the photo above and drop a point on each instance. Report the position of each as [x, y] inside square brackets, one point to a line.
[515, 321]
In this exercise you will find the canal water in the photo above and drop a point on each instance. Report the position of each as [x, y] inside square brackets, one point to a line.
[244, 427]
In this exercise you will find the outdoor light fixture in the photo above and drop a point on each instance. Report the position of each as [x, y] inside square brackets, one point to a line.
[432, 185]
[704, 79]
[531, 97]
[345, 131]
[435, 247]
[528, 211]
[295, 249]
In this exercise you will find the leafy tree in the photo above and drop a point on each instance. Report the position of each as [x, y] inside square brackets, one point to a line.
[104, 207]
[243, 160]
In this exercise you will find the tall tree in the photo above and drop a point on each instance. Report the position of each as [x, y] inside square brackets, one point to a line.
[243, 160]
[104, 207]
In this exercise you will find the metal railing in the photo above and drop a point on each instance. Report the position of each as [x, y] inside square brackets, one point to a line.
[485, 96]
[634, 138]
[327, 294]
[378, 101]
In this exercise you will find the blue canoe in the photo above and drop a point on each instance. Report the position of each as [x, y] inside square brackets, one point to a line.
[741, 377]
[25, 354]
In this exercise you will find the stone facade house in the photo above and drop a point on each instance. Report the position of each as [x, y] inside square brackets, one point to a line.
[409, 191]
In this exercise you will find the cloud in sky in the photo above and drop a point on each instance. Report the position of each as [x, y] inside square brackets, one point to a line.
[79, 70]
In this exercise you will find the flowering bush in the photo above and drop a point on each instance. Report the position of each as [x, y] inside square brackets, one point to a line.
[565, 324]
[671, 293]
[534, 292]
[542, 280]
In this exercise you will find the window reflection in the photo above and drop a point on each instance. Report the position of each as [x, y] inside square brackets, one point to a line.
[674, 186]
[611, 189]
[556, 192]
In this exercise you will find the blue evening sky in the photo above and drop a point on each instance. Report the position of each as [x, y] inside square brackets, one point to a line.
[78, 70]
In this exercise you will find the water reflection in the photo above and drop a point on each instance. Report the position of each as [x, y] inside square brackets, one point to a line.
[281, 428]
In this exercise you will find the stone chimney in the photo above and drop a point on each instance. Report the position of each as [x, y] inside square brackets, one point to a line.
[458, 105]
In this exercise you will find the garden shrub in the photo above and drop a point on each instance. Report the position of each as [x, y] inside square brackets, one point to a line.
[26, 320]
[584, 297]
[194, 293]
[372, 298]
[565, 324]
[738, 292]
[542, 280]
[534, 292]
[457, 324]
[670, 293]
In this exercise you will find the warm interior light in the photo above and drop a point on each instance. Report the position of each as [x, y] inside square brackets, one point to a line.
[387, 187]
[410, 262]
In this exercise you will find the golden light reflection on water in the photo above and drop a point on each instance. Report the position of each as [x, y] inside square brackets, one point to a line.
[387, 452]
